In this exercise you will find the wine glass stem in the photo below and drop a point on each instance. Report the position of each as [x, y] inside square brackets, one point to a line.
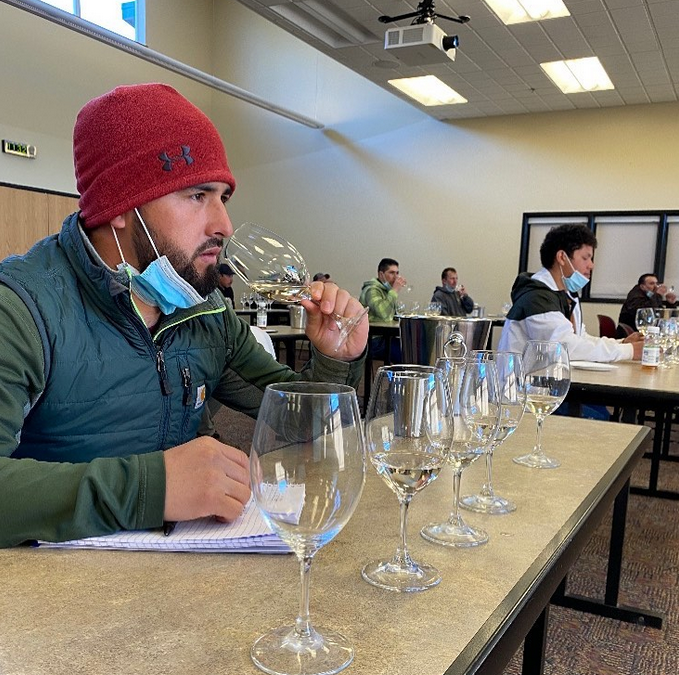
[303, 621]
[402, 555]
[537, 450]
[455, 515]
[487, 489]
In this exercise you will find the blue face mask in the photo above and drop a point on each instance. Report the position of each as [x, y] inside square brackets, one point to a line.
[649, 294]
[575, 281]
[159, 285]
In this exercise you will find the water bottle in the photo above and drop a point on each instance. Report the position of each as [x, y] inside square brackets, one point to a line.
[650, 356]
[261, 314]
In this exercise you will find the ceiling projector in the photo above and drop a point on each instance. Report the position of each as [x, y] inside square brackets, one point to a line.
[421, 44]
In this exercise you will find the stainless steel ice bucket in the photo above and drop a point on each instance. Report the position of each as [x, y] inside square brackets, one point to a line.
[423, 337]
[297, 316]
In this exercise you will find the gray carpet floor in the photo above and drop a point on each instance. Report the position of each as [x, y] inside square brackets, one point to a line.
[583, 644]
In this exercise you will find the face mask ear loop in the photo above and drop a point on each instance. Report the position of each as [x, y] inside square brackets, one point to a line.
[143, 224]
[120, 250]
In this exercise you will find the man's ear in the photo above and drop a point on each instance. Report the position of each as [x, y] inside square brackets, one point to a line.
[119, 222]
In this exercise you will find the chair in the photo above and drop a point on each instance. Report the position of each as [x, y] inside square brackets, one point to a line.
[606, 326]
[624, 330]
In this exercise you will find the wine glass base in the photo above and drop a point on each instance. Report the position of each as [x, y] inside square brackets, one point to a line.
[537, 461]
[284, 652]
[393, 576]
[449, 534]
[493, 505]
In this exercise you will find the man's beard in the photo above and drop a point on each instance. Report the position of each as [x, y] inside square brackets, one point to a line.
[204, 283]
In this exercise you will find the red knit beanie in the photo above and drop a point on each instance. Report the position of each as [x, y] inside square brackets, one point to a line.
[140, 142]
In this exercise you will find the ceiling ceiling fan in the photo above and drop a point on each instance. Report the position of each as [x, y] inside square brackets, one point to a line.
[425, 13]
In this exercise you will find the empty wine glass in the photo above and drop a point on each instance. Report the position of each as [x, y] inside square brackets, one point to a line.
[273, 267]
[244, 300]
[512, 384]
[403, 398]
[548, 378]
[307, 470]
[470, 423]
[644, 318]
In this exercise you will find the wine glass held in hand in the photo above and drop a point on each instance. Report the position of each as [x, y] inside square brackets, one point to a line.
[307, 470]
[512, 385]
[337, 324]
[468, 427]
[548, 378]
[405, 401]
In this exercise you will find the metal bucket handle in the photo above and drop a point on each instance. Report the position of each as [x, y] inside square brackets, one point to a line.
[455, 348]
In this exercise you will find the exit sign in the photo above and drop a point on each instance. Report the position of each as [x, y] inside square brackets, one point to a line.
[20, 149]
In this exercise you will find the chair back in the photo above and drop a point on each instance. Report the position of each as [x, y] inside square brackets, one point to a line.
[607, 327]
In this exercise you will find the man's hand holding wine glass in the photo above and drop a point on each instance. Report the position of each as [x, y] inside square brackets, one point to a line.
[321, 327]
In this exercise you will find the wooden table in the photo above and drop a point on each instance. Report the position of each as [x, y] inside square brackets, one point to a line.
[82, 612]
[634, 388]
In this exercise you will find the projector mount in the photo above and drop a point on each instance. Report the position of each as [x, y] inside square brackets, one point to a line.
[424, 14]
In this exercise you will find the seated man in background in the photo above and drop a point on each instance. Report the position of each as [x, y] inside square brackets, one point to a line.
[380, 296]
[107, 360]
[225, 282]
[546, 305]
[647, 293]
[453, 298]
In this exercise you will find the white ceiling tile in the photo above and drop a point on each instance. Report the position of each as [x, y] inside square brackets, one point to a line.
[497, 67]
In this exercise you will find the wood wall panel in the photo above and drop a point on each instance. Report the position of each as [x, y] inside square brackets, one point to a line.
[59, 207]
[23, 220]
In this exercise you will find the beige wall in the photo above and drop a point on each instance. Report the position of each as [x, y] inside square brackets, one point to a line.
[381, 179]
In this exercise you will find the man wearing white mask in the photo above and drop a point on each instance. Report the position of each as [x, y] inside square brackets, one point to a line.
[546, 305]
[114, 336]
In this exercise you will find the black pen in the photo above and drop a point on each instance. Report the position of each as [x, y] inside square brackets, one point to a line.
[168, 527]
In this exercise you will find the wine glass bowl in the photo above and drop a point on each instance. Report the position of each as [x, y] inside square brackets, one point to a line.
[307, 470]
[405, 404]
[644, 318]
[512, 405]
[548, 379]
[274, 268]
[470, 424]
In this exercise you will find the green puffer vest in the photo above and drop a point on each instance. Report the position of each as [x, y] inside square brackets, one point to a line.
[111, 390]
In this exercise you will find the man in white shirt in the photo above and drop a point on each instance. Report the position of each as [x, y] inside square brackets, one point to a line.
[546, 305]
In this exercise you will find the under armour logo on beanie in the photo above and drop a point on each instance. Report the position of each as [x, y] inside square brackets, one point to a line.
[157, 142]
[168, 161]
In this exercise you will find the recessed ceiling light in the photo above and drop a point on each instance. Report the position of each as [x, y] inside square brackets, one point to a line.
[520, 11]
[577, 75]
[427, 90]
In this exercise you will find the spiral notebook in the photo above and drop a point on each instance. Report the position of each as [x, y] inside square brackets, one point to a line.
[249, 534]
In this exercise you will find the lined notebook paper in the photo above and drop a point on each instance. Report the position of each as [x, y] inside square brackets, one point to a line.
[248, 534]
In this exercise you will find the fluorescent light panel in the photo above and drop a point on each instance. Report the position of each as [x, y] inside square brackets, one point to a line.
[427, 90]
[578, 75]
[520, 11]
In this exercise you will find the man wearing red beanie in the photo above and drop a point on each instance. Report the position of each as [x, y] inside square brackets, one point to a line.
[114, 337]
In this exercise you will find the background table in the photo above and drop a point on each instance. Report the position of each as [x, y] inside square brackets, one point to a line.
[634, 388]
[72, 612]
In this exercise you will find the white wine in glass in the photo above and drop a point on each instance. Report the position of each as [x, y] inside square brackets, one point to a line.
[307, 470]
[403, 401]
[274, 268]
[548, 378]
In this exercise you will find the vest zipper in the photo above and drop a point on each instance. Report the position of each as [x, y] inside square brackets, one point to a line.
[186, 382]
[165, 385]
